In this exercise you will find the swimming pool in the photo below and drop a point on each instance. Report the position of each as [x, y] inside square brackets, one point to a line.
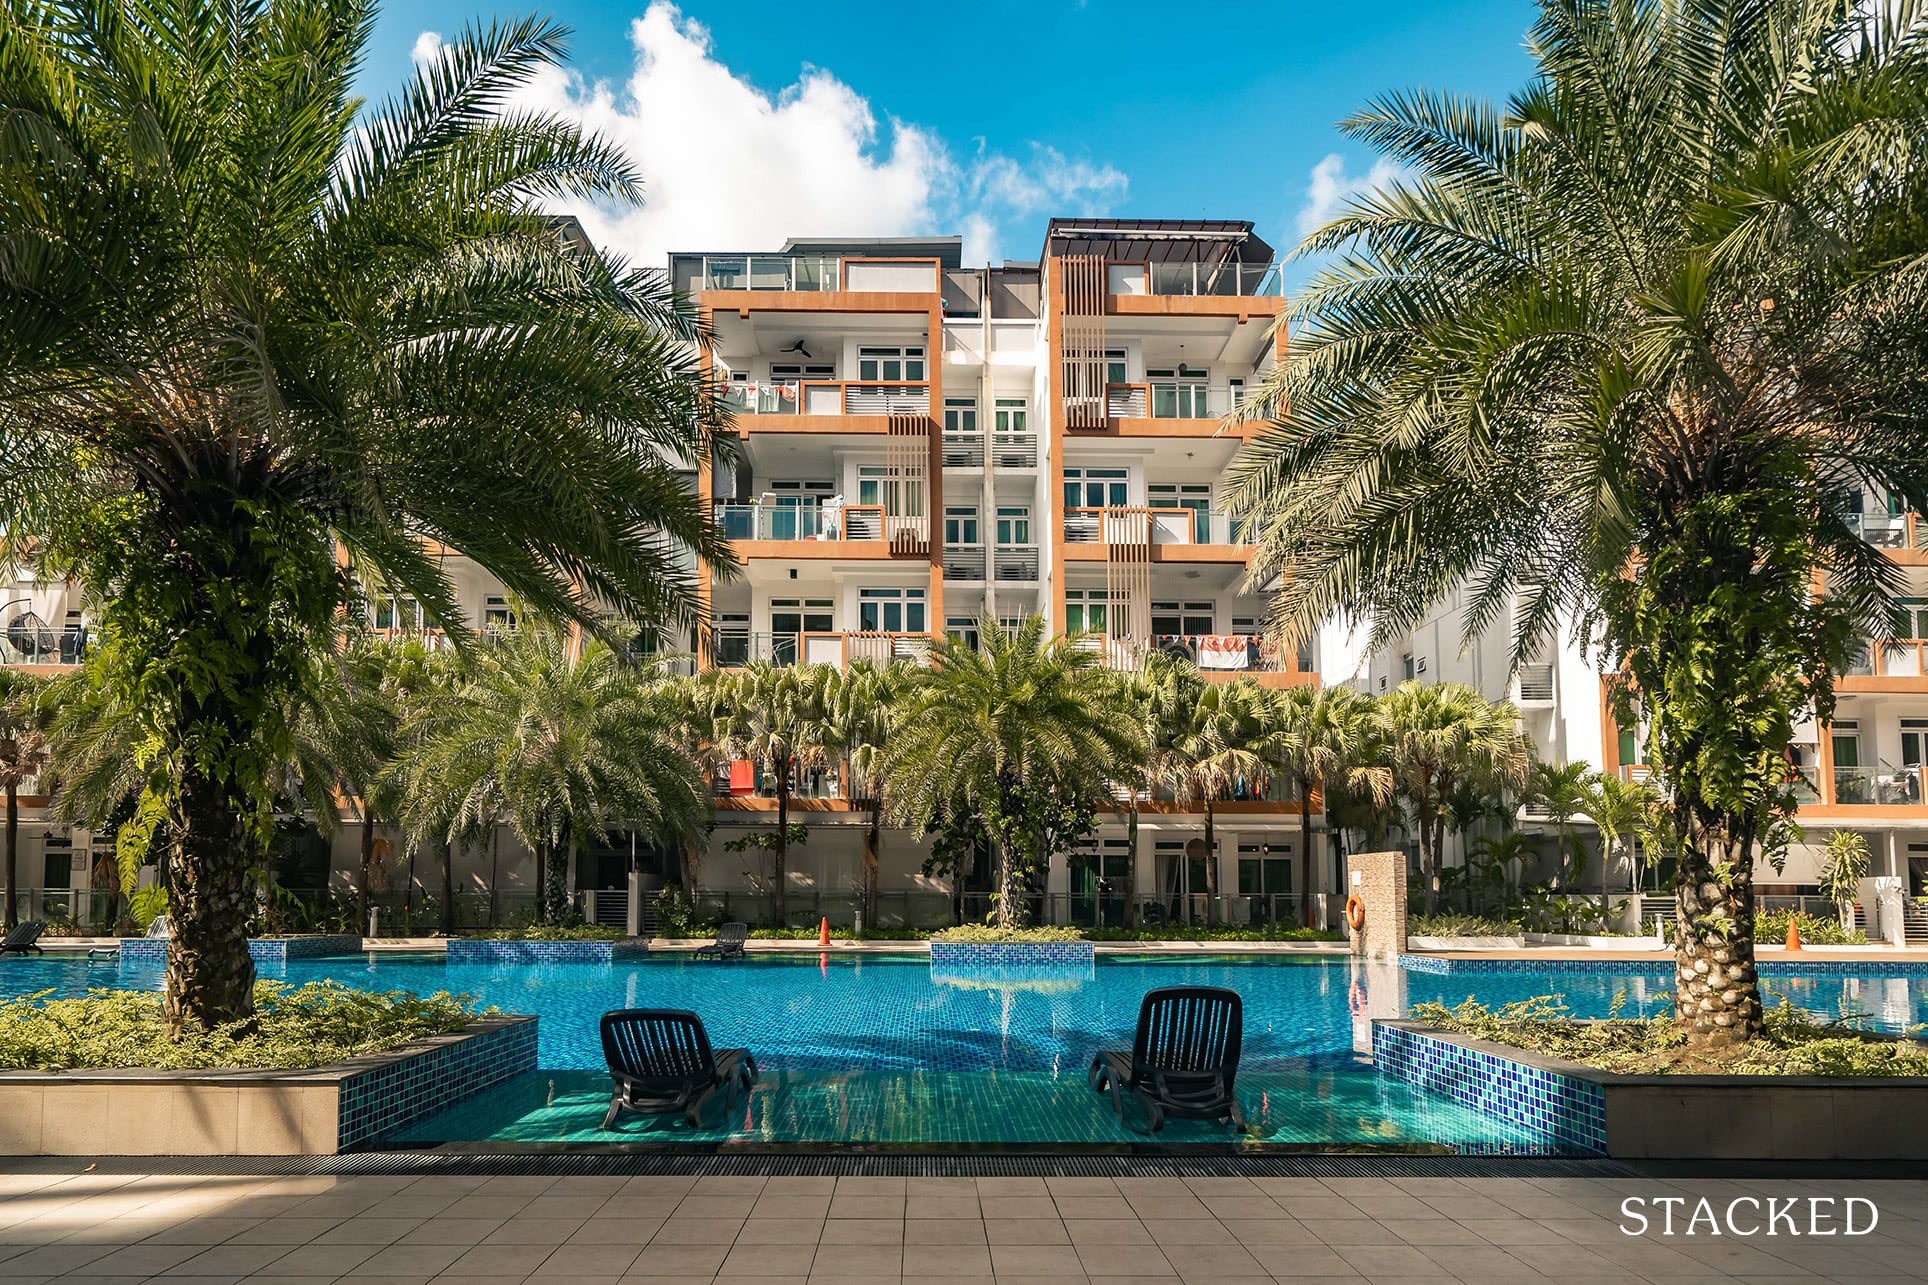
[889, 1049]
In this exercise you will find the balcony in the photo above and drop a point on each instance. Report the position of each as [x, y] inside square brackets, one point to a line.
[1885, 786]
[760, 271]
[1234, 653]
[1014, 450]
[1221, 280]
[1167, 526]
[963, 450]
[1890, 658]
[27, 644]
[964, 562]
[753, 522]
[1890, 530]
[1015, 563]
[828, 397]
[735, 648]
[1173, 399]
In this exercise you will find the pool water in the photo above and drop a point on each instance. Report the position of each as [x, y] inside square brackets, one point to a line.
[888, 1049]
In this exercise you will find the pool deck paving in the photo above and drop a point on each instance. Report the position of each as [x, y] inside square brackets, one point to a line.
[116, 1229]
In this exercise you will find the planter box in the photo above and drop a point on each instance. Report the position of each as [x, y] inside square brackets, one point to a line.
[1593, 942]
[1663, 1117]
[323, 1111]
[1466, 943]
[266, 950]
[1769, 964]
[1007, 954]
[477, 950]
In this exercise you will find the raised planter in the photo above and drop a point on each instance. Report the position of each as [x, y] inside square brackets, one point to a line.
[1593, 941]
[1663, 1117]
[1010, 954]
[1466, 943]
[482, 950]
[265, 950]
[1769, 963]
[323, 1111]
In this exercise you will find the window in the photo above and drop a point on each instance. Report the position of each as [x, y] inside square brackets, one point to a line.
[1010, 415]
[960, 415]
[1629, 746]
[496, 616]
[1086, 611]
[890, 364]
[1183, 618]
[60, 868]
[1177, 394]
[900, 497]
[1406, 666]
[1095, 488]
[962, 628]
[397, 611]
[1264, 869]
[1914, 742]
[1195, 498]
[893, 611]
[1014, 525]
[1114, 365]
[789, 373]
[960, 525]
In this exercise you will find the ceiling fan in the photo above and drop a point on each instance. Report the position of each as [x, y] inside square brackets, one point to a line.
[798, 347]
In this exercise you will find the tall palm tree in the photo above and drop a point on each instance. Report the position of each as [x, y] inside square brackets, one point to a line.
[23, 756]
[1008, 730]
[1439, 735]
[1325, 734]
[864, 703]
[1623, 811]
[258, 324]
[1227, 741]
[1562, 792]
[1160, 694]
[1617, 349]
[558, 737]
[783, 720]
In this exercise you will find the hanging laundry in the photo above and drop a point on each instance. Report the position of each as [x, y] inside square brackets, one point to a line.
[742, 777]
[1222, 651]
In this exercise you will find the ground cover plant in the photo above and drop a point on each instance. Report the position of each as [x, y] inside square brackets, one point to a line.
[1456, 925]
[294, 1027]
[1793, 1042]
[1816, 930]
[988, 933]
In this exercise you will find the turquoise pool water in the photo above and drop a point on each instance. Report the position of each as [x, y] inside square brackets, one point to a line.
[888, 1049]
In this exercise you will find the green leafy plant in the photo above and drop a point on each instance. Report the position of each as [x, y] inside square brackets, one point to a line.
[294, 1028]
[989, 933]
[1844, 864]
[1772, 925]
[677, 914]
[1456, 925]
[556, 932]
[1220, 932]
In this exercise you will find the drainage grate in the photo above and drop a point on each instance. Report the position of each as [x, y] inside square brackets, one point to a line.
[843, 1165]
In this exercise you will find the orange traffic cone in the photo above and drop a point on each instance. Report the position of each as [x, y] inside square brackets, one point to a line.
[1793, 933]
[823, 934]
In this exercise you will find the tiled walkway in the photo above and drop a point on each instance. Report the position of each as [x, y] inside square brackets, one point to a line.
[651, 1231]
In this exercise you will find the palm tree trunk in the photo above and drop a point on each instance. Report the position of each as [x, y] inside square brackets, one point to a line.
[362, 890]
[448, 888]
[782, 850]
[1717, 997]
[1606, 903]
[1211, 867]
[1428, 854]
[1131, 863]
[542, 882]
[13, 851]
[873, 862]
[210, 975]
[1305, 853]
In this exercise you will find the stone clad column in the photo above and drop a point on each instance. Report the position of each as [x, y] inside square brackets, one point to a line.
[1379, 879]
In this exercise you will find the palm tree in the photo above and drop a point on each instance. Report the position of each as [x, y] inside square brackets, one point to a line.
[864, 702]
[1227, 742]
[1438, 736]
[1562, 793]
[559, 737]
[1160, 695]
[1618, 350]
[1011, 730]
[279, 325]
[1325, 734]
[23, 756]
[782, 719]
[1623, 810]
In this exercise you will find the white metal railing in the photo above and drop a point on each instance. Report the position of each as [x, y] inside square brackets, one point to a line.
[1014, 450]
[1017, 562]
[1168, 525]
[1126, 401]
[874, 399]
[963, 450]
[964, 562]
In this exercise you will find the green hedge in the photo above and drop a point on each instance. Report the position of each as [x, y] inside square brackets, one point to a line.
[296, 1028]
[556, 932]
[1770, 927]
[992, 933]
[1224, 932]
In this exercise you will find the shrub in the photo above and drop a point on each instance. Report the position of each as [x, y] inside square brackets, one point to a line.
[1796, 1043]
[556, 932]
[1816, 930]
[841, 934]
[1457, 925]
[1222, 932]
[296, 1028]
[992, 933]
[677, 914]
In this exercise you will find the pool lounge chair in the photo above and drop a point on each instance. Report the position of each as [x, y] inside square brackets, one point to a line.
[23, 937]
[662, 1063]
[728, 943]
[1183, 1059]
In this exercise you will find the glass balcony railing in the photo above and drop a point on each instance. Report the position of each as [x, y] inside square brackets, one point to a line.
[1878, 787]
[761, 272]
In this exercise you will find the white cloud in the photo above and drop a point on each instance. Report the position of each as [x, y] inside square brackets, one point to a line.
[428, 47]
[726, 166]
[1331, 187]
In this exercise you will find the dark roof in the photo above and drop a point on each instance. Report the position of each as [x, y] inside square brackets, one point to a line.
[1158, 240]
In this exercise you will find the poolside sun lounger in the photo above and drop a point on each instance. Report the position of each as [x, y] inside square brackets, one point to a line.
[728, 943]
[662, 1063]
[1183, 1059]
[23, 937]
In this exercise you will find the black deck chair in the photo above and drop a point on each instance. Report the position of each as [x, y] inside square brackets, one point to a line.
[662, 1063]
[23, 938]
[1183, 1059]
[728, 943]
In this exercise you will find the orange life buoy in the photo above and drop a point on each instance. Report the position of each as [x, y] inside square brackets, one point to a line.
[1356, 912]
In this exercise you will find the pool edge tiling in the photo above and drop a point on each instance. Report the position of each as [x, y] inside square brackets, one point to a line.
[1570, 1112]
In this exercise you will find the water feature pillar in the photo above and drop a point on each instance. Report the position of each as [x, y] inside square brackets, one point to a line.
[1378, 879]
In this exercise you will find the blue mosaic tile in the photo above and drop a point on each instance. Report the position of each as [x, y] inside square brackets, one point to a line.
[1659, 962]
[1004, 954]
[388, 1098]
[1569, 1112]
[469, 950]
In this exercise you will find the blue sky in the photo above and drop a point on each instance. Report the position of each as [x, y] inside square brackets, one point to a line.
[751, 120]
